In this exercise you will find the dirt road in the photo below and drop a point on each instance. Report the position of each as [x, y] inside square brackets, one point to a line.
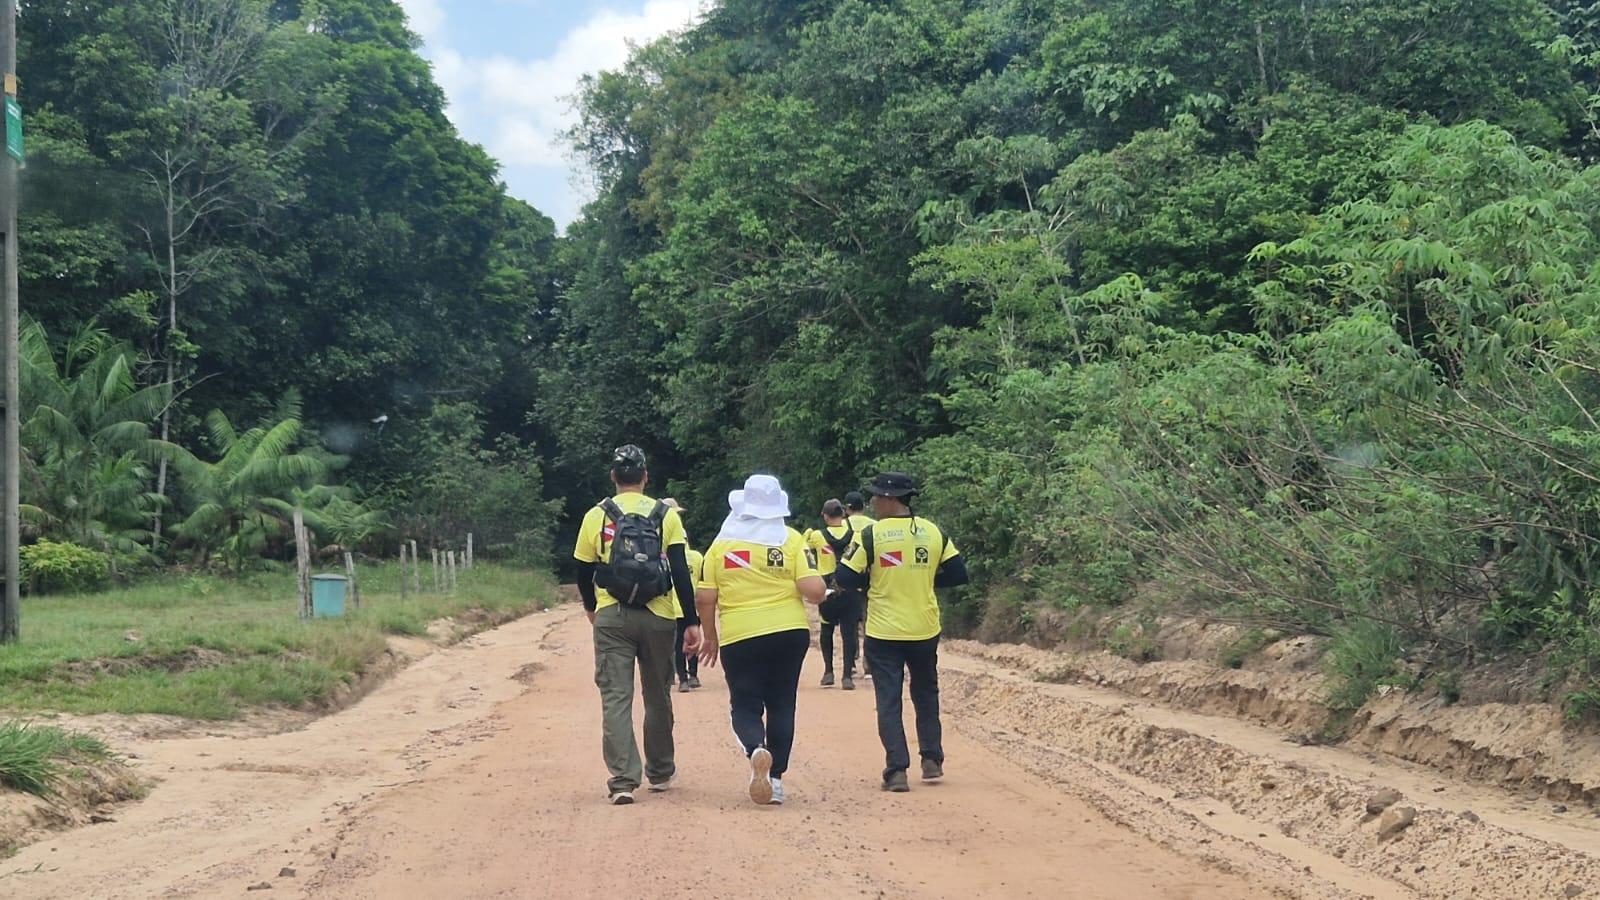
[476, 773]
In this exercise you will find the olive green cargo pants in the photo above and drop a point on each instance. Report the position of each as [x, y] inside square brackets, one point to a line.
[621, 637]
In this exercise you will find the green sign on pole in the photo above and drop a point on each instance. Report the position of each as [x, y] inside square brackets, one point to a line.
[14, 127]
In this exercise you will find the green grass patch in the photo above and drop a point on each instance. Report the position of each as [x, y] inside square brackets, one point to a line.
[210, 647]
[34, 758]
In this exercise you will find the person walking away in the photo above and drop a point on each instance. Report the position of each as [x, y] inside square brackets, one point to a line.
[632, 553]
[685, 665]
[899, 560]
[757, 576]
[842, 609]
[855, 512]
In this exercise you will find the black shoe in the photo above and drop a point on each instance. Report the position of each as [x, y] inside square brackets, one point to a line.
[694, 682]
[848, 684]
[684, 687]
[827, 679]
[932, 771]
[896, 782]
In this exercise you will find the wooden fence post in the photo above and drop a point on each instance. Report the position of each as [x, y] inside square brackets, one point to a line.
[302, 559]
[469, 550]
[403, 573]
[438, 586]
[416, 570]
[350, 573]
[452, 571]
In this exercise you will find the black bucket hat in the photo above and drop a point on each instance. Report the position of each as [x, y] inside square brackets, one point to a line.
[892, 484]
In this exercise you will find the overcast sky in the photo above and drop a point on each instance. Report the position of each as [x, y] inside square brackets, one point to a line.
[510, 68]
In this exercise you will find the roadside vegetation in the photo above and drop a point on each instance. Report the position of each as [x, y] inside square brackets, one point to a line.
[214, 646]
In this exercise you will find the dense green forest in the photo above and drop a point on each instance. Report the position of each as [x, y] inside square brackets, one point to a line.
[1284, 313]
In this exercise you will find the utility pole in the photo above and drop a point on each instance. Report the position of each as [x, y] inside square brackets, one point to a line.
[10, 458]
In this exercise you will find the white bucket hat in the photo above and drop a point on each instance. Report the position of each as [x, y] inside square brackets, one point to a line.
[756, 513]
[762, 498]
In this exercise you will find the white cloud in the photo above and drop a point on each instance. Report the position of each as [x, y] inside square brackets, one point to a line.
[517, 108]
[425, 16]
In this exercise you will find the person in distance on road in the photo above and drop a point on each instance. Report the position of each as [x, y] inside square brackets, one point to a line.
[686, 665]
[855, 511]
[842, 609]
[899, 560]
[755, 576]
[632, 553]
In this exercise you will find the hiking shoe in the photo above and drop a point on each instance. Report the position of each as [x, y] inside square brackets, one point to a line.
[684, 687]
[694, 682]
[621, 798]
[827, 679]
[761, 776]
[657, 787]
[777, 793]
[848, 684]
[932, 771]
[896, 782]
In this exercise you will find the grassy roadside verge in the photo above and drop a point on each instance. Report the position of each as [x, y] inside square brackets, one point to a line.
[210, 648]
[34, 758]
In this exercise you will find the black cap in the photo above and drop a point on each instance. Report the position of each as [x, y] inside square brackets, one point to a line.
[627, 458]
[854, 500]
[892, 484]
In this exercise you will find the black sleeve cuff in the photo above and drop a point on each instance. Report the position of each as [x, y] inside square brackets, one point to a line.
[586, 585]
[849, 579]
[952, 572]
[683, 583]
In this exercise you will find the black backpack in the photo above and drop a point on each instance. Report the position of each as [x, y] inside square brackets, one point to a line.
[637, 571]
[839, 545]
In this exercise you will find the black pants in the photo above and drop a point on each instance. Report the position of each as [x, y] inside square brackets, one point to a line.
[685, 664]
[889, 662]
[847, 608]
[763, 677]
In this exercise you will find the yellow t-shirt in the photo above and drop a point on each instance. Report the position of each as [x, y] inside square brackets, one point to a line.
[901, 604]
[826, 562]
[756, 586]
[594, 545]
[859, 522]
[694, 558]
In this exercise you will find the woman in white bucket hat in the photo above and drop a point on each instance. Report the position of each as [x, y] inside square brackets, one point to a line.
[755, 580]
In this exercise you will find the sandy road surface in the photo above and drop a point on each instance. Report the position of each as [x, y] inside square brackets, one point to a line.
[476, 773]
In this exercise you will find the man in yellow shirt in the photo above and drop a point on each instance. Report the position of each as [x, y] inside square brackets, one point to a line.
[899, 560]
[843, 609]
[627, 595]
[855, 507]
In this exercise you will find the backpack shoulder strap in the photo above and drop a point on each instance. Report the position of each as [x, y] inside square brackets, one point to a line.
[841, 543]
[658, 514]
[611, 509]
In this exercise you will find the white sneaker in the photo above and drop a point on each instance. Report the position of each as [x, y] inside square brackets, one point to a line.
[761, 776]
[657, 787]
[622, 798]
[777, 793]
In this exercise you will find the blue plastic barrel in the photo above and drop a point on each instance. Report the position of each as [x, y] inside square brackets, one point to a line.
[327, 596]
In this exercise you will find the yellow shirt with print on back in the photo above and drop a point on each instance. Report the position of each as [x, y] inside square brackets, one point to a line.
[594, 545]
[756, 586]
[827, 563]
[901, 603]
[693, 557]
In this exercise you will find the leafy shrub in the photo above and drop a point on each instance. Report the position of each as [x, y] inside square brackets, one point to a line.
[48, 566]
[1362, 656]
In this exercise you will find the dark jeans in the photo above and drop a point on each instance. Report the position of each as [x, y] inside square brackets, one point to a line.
[889, 661]
[764, 676]
[848, 609]
[684, 664]
[624, 639]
